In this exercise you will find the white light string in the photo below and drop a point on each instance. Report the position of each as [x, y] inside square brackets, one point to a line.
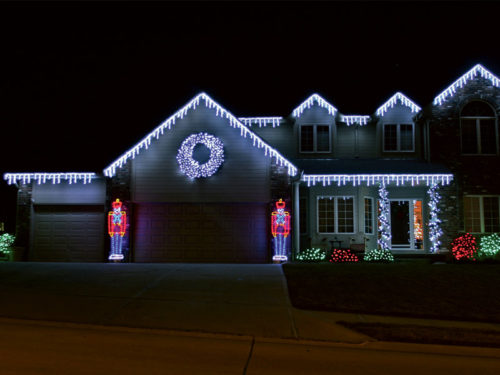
[55, 178]
[110, 171]
[309, 102]
[355, 119]
[394, 100]
[374, 179]
[459, 83]
[261, 121]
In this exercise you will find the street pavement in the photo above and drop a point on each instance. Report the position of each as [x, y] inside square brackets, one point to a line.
[192, 318]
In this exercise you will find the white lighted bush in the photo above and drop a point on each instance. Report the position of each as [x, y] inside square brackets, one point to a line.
[311, 254]
[378, 255]
[6, 241]
[489, 246]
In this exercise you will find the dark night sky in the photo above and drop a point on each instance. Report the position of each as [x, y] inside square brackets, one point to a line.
[82, 82]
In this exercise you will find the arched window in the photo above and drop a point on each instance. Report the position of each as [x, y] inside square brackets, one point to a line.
[478, 129]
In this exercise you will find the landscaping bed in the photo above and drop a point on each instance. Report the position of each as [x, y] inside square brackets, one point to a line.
[405, 288]
[427, 335]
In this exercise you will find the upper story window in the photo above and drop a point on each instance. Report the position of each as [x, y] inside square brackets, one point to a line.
[399, 138]
[315, 138]
[478, 129]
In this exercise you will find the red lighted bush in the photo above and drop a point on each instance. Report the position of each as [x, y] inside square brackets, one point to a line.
[343, 255]
[464, 247]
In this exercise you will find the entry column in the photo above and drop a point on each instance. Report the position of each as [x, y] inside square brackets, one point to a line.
[384, 228]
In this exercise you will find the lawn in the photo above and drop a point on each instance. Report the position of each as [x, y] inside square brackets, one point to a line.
[405, 288]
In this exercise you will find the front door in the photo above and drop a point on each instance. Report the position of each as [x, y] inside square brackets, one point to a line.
[406, 224]
[400, 224]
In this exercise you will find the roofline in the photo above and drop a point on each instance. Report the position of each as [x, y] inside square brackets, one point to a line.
[43, 177]
[462, 80]
[404, 100]
[110, 171]
[377, 178]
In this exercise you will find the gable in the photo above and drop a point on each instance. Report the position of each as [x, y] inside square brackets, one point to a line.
[314, 100]
[230, 120]
[398, 99]
[476, 71]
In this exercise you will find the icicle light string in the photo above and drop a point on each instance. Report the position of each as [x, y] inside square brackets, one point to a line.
[110, 171]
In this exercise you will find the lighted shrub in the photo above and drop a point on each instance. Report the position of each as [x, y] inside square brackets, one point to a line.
[314, 254]
[489, 246]
[464, 247]
[343, 255]
[6, 241]
[378, 255]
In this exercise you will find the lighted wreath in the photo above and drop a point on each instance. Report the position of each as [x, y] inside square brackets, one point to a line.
[193, 168]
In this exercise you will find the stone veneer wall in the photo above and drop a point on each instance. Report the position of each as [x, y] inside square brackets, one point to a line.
[23, 217]
[473, 174]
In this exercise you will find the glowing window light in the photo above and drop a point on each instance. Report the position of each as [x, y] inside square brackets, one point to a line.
[309, 102]
[394, 100]
[459, 83]
[110, 171]
[193, 168]
[373, 179]
[261, 121]
[280, 229]
[117, 226]
[55, 178]
[355, 119]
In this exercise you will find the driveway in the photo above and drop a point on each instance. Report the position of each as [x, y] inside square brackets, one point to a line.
[242, 299]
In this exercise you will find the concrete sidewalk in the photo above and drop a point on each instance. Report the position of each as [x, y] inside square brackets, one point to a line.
[250, 300]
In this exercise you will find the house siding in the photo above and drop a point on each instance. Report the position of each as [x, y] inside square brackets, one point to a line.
[243, 177]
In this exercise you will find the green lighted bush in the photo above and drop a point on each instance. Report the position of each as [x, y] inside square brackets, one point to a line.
[6, 241]
[313, 254]
[489, 246]
[378, 255]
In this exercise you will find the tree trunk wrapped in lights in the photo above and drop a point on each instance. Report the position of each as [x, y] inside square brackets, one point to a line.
[384, 228]
[434, 223]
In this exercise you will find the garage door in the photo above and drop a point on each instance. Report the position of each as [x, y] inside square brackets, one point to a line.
[186, 232]
[68, 234]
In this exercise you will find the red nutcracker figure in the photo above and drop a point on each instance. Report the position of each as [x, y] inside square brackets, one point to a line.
[280, 228]
[117, 225]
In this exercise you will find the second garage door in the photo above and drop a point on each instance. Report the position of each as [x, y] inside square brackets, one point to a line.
[68, 234]
[187, 232]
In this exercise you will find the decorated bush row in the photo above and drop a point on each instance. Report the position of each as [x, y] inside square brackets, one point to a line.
[465, 248]
[344, 255]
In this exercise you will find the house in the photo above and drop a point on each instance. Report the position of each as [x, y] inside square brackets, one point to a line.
[207, 186]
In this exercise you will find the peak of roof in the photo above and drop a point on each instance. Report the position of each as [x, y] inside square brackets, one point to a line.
[404, 100]
[310, 101]
[110, 171]
[463, 80]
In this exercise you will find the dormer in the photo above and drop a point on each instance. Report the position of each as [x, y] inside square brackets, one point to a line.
[397, 131]
[315, 127]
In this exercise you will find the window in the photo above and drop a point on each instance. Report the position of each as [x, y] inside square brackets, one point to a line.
[482, 214]
[478, 129]
[368, 215]
[398, 137]
[314, 138]
[335, 214]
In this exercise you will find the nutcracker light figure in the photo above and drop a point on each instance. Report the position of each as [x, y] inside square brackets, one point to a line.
[280, 229]
[117, 224]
